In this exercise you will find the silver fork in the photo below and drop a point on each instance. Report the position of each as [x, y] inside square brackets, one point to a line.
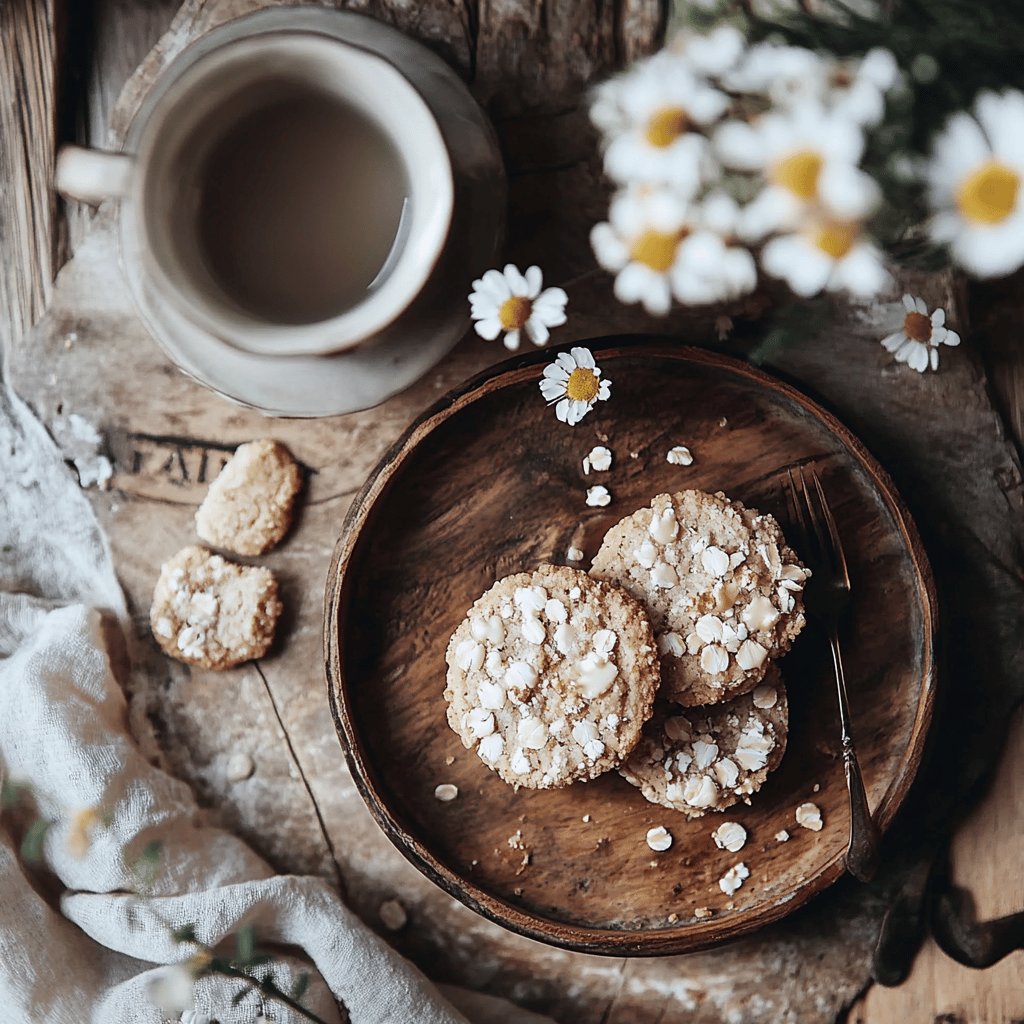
[827, 597]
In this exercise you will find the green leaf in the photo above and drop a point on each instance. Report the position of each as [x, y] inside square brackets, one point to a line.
[245, 944]
[12, 793]
[300, 986]
[32, 844]
[186, 933]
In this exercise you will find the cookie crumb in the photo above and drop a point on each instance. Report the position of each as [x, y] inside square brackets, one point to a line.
[702, 912]
[809, 816]
[239, 767]
[598, 497]
[659, 838]
[586, 819]
[730, 835]
[816, 788]
[599, 460]
[515, 841]
[393, 915]
[782, 837]
[449, 760]
[673, 917]
[446, 792]
[574, 554]
[734, 878]
[679, 456]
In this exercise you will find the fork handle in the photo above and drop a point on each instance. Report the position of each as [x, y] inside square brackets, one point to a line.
[862, 849]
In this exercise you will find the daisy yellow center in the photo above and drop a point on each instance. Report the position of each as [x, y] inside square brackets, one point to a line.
[798, 173]
[835, 238]
[656, 249]
[666, 125]
[582, 385]
[989, 195]
[513, 313]
[917, 327]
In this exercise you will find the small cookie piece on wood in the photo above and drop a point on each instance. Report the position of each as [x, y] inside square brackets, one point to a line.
[707, 759]
[212, 613]
[551, 677]
[248, 508]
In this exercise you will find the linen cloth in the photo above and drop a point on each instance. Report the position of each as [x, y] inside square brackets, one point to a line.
[84, 932]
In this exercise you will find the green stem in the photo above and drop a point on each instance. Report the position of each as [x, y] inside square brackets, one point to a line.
[269, 989]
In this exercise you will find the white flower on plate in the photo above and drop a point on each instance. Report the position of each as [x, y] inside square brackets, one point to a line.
[573, 384]
[170, 988]
[809, 158]
[713, 53]
[514, 303]
[974, 185]
[917, 342]
[659, 246]
[829, 255]
[651, 110]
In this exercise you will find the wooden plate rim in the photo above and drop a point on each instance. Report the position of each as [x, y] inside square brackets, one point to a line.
[691, 936]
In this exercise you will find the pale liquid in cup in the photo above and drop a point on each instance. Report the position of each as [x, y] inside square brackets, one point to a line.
[300, 204]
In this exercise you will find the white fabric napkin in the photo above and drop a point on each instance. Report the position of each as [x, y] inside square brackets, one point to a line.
[84, 932]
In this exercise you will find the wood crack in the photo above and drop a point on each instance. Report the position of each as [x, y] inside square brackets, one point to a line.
[339, 878]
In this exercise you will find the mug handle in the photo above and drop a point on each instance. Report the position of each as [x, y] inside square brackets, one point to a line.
[91, 175]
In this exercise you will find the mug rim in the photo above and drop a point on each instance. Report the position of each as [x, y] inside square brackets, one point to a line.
[379, 308]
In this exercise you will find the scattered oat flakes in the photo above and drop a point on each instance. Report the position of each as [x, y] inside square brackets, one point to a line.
[239, 767]
[598, 497]
[446, 792]
[673, 917]
[782, 837]
[449, 760]
[586, 819]
[659, 838]
[679, 456]
[730, 835]
[809, 816]
[393, 915]
[723, 422]
[515, 841]
[733, 878]
[599, 460]
[574, 554]
[816, 788]
[702, 912]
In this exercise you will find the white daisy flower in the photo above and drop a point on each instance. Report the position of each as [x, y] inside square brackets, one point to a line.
[514, 303]
[573, 384]
[829, 255]
[650, 111]
[857, 89]
[917, 342]
[809, 157]
[974, 184]
[713, 53]
[787, 75]
[658, 246]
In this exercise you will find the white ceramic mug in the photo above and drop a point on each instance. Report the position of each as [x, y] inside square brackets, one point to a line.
[195, 105]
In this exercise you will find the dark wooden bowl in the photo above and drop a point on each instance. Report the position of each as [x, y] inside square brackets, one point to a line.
[488, 483]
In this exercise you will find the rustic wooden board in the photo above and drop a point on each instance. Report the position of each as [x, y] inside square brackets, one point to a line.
[488, 484]
[941, 429]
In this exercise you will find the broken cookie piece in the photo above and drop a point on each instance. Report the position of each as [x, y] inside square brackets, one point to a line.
[212, 613]
[249, 507]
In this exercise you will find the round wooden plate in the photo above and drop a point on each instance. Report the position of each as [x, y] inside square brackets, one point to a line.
[488, 483]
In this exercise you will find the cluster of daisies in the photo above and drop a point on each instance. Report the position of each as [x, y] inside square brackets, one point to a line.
[725, 153]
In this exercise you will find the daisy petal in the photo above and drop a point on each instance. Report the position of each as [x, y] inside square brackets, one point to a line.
[536, 331]
[922, 306]
[909, 304]
[893, 341]
[511, 341]
[584, 357]
[495, 284]
[933, 358]
[552, 390]
[516, 281]
[951, 338]
[566, 362]
[534, 280]
[562, 410]
[488, 329]
[938, 318]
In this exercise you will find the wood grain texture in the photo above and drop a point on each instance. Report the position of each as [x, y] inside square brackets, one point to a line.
[938, 435]
[485, 485]
[29, 228]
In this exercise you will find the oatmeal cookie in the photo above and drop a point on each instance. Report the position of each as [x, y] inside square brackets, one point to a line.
[722, 588]
[551, 676]
[212, 613]
[248, 508]
[706, 759]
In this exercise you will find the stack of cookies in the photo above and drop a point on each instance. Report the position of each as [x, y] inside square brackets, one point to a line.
[658, 663]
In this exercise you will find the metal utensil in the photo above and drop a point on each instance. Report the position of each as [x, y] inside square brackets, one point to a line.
[827, 598]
